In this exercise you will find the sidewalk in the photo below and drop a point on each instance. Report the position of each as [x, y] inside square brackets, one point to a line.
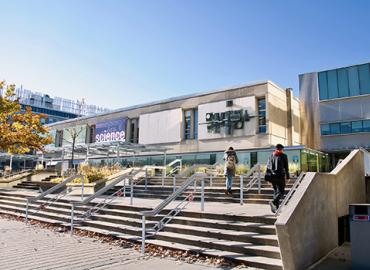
[31, 247]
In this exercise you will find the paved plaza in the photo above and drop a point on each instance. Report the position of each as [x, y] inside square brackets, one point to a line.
[32, 247]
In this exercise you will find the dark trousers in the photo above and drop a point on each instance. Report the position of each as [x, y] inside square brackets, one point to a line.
[279, 190]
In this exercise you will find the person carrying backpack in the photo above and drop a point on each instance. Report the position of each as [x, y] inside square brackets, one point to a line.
[231, 159]
[276, 172]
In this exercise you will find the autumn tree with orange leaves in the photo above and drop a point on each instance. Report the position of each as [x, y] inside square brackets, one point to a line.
[20, 132]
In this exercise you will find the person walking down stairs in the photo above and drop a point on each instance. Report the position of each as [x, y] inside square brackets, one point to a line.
[231, 159]
[276, 172]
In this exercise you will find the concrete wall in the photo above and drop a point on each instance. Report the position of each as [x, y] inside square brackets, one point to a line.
[277, 116]
[307, 228]
[160, 127]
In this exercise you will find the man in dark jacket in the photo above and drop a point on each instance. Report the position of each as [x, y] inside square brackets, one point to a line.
[278, 164]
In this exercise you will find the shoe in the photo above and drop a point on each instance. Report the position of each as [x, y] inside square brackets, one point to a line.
[226, 192]
[230, 192]
[273, 207]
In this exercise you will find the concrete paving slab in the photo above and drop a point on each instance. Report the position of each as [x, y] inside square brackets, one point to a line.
[31, 247]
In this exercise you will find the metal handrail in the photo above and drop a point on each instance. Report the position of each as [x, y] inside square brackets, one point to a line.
[150, 213]
[99, 206]
[290, 193]
[251, 183]
[16, 173]
[47, 192]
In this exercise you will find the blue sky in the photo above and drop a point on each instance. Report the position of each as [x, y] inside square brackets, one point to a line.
[119, 53]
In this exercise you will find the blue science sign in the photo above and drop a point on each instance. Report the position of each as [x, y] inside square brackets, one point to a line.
[111, 131]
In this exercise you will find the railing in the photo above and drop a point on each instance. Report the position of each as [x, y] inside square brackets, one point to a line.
[175, 211]
[255, 180]
[290, 193]
[175, 169]
[121, 192]
[52, 200]
[6, 176]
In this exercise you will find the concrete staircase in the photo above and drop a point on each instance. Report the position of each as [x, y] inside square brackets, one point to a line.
[214, 193]
[248, 239]
[31, 185]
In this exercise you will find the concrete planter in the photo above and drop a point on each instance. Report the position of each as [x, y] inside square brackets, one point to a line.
[89, 189]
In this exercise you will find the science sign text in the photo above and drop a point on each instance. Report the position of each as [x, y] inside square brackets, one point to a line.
[111, 131]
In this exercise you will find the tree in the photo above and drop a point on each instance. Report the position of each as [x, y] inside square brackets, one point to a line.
[73, 133]
[20, 132]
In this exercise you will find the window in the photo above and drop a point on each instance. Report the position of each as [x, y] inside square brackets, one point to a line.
[191, 124]
[335, 128]
[332, 84]
[262, 126]
[354, 84]
[323, 85]
[345, 128]
[196, 124]
[344, 82]
[187, 128]
[325, 129]
[356, 126]
[366, 125]
[364, 76]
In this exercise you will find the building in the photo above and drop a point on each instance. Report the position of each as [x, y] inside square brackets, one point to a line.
[335, 109]
[198, 128]
[57, 109]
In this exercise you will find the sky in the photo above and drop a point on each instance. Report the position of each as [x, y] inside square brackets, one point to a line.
[121, 53]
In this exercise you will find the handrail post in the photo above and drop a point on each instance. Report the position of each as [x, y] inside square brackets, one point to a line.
[146, 178]
[174, 183]
[124, 188]
[132, 191]
[241, 189]
[143, 234]
[202, 197]
[72, 216]
[27, 210]
[82, 187]
[259, 178]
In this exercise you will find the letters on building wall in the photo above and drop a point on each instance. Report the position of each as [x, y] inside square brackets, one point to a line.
[229, 120]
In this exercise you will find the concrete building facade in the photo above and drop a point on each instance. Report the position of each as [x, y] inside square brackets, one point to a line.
[247, 116]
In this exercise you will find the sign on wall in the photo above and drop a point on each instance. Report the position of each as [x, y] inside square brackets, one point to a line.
[111, 131]
[230, 120]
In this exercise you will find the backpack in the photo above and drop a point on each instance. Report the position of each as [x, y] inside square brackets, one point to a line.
[274, 169]
[230, 162]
